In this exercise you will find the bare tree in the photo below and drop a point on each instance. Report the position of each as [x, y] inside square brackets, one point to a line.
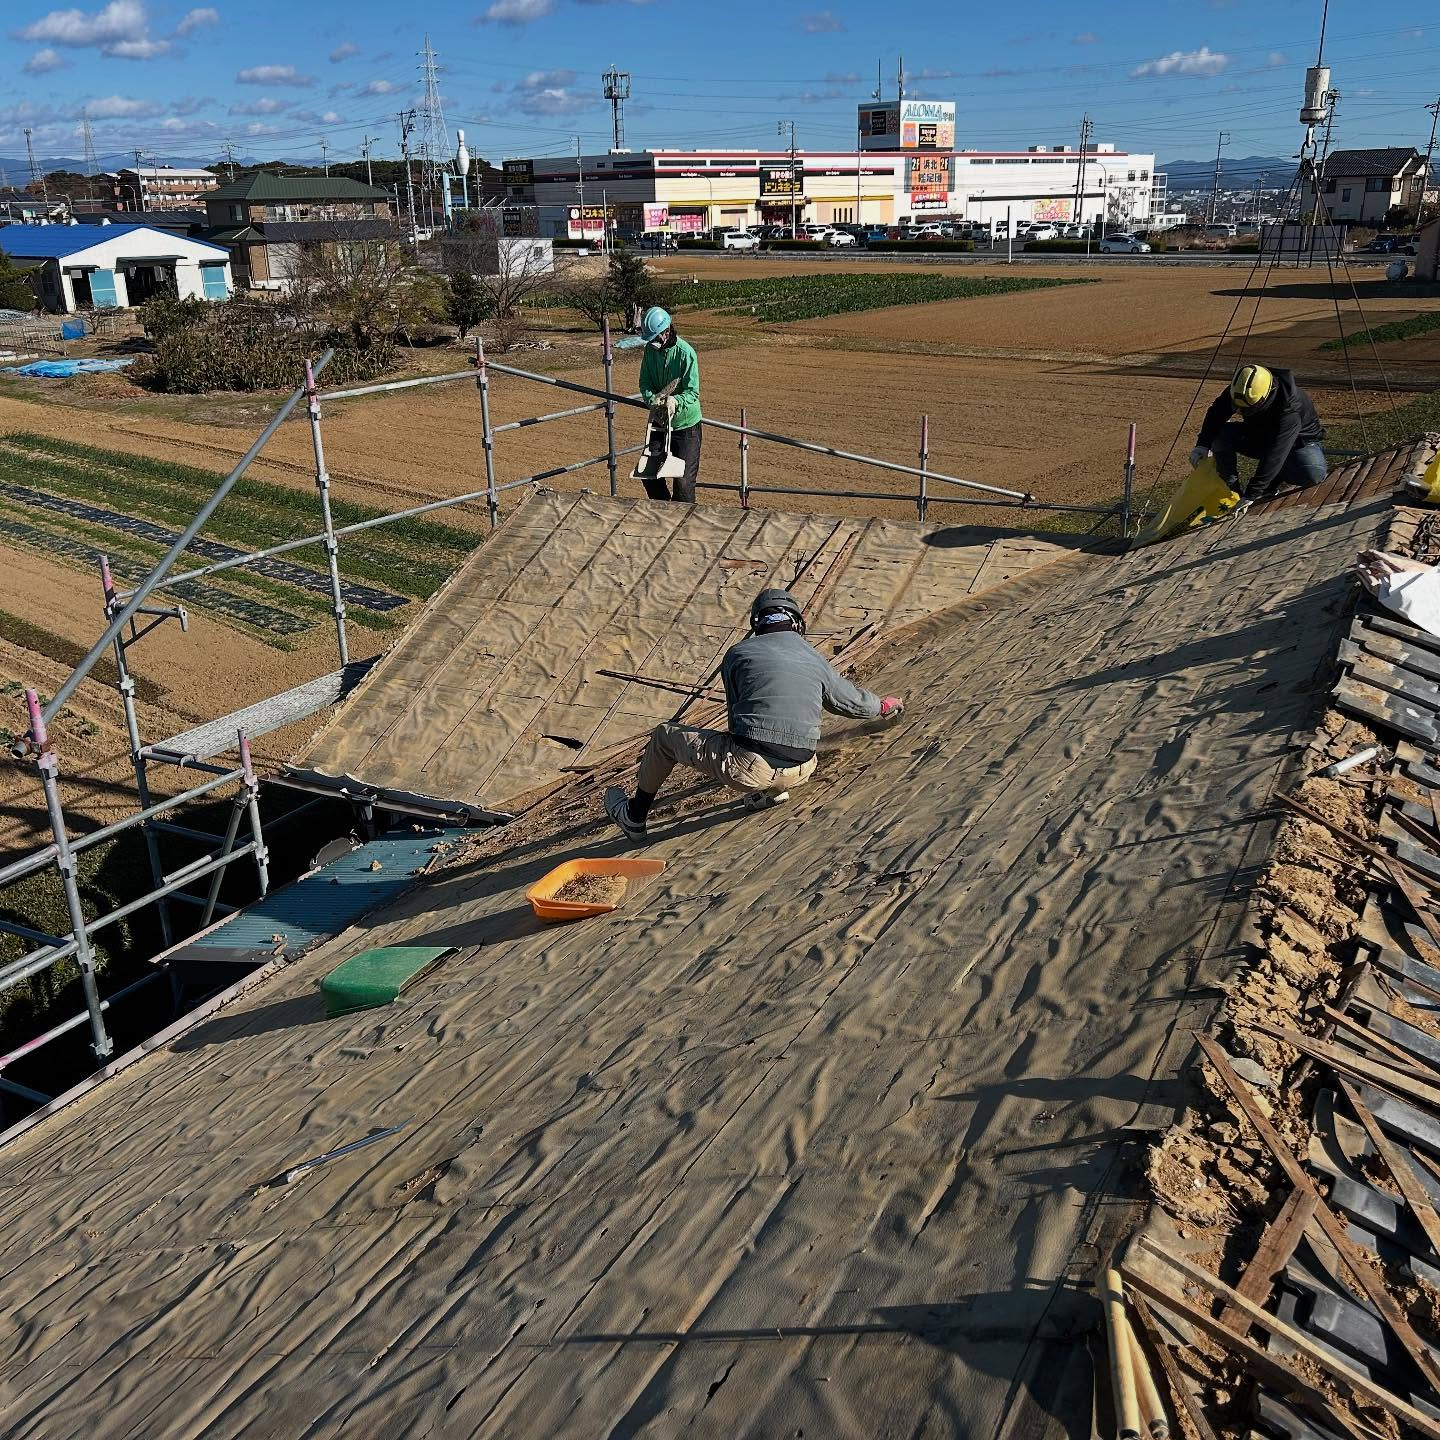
[360, 279]
[511, 271]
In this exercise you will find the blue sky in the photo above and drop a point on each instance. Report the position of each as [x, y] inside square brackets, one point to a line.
[522, 76]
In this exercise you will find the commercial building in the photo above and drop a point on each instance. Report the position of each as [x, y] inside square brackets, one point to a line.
[265, 221]
[1361, 187]
[164, 187]
[904, 169]
[81, 267]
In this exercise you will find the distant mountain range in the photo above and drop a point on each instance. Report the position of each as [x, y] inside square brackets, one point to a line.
[16, 168]
[1278, 171]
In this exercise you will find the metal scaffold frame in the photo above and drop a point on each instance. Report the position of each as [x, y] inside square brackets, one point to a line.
[130, 616]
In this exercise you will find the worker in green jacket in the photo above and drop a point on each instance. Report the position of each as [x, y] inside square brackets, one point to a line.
[670, 376]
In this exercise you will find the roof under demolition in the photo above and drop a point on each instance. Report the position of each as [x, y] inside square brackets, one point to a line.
[518, 668]
[817, 1133]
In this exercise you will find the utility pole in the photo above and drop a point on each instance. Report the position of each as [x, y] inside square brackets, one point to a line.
[1332, 100]
[365, 151]
[1087, 129]
[1429, 154]
[617, 92]
[1215, 194]
[781, 128]
[580, 185]
[325, 154]
[139, 178]
[1259, 190]
[229, 148]
[900, 78]
[407, 124]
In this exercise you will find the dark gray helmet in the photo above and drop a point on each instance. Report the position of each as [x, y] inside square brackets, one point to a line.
[769, 602]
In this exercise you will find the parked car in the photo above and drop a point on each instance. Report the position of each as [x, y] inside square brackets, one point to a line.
[841, 237]
[813, 230]
[871, 233]
[1382, 245]
[1043, 232]
[739, 240]
[1123, 245]
[928, 232]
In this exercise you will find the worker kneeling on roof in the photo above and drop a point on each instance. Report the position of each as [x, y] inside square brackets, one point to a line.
[1263, 414]
[776, 685]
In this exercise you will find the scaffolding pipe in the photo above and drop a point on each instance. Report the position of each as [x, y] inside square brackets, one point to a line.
[809, 445]
[94, 837]
[27, 864]
[75, 1021]
[183, 877]
[252, 802]
[202, 515]
[553, 415]
[487, 435]
[125, 683]
[608, 352]
[14, 927]
[332, 547]
[744, 462]
[185, 832]
[212, 896]
[48, 765]
[359, 390]
[924, 463]
[379, 520]
[1128, 500]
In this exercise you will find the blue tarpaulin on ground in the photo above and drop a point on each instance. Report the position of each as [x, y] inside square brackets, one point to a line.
[64, 369]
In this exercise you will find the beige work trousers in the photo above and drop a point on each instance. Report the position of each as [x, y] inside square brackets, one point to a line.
[713, 753]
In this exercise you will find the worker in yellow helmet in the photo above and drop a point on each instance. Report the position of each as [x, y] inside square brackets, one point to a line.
[1263, 414]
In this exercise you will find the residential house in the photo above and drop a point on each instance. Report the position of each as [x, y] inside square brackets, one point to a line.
[20, 207]
[267, 220]
[1427, 252]
[164, 187]
[81, 267]
[1361, 187]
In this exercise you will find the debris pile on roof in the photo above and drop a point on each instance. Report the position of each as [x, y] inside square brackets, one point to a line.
[1296, 1249]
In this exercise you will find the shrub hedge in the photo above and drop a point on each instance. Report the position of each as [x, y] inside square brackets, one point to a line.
[952, 246]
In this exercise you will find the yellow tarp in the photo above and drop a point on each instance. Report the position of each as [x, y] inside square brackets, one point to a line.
[1203, 497]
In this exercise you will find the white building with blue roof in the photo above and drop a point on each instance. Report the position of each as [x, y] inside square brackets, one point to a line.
[100, 267]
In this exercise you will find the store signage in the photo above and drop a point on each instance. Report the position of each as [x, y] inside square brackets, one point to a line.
[927, 178]
[592, 225]
[687, 224]
[519, 172]
[781, 182]
[657, 217]
[927, 125]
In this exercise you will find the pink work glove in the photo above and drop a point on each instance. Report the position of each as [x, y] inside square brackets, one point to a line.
[891, 705]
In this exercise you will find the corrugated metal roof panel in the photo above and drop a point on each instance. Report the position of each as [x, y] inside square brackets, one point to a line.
[325, 902]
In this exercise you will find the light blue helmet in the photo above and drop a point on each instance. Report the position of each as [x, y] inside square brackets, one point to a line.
[656, 322]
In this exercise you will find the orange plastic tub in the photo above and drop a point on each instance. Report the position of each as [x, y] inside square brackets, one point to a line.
[540, 893]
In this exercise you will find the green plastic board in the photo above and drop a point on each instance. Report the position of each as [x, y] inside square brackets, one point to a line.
[376, 977]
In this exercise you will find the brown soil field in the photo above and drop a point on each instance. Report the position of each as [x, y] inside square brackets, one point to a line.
[1033, 391]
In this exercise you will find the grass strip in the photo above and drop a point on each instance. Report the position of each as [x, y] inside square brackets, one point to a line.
[1395, 330]
[780, 299]
[1416, 416]
[262, 495]
[237, 523]
[41, 641]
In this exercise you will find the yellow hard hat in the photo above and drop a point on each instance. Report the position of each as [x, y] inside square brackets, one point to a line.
[1251, 387]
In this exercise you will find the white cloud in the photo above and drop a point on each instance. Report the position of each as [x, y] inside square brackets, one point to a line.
[1086, 37]
[274, 75]
[197, 20]
[517, 12]
[258, 127]
[42, 62]
[122, 107]
[343, 52]
[266, 105]
[380, 87]
[119, 20]
[548, 92]
[538, 79]
[1276, 60]
[820, 22]
[1203, 61]
[138, 49]
[847, 78]
[318, 117]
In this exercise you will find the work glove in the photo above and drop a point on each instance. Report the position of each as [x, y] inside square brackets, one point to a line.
[891, 705]
[1197, 455]
[670, 403]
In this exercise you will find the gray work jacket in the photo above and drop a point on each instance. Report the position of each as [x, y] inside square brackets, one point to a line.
[776, 686]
